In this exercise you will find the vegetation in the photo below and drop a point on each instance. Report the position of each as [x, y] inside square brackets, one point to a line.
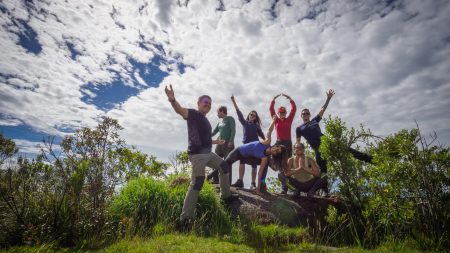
[98, 193]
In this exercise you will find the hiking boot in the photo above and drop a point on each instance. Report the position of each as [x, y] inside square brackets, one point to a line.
[238, 184]
[253, 186]
[184, 225]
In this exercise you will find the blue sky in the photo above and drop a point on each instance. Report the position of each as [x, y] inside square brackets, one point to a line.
[64, 65]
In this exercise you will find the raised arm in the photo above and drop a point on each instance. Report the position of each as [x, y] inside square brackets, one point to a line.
[239, 113]
[293, 108]
[269, 132]
[176, 106]
[330, 94]
[272, 104]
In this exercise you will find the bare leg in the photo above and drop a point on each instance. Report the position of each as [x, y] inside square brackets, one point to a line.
[241, 171]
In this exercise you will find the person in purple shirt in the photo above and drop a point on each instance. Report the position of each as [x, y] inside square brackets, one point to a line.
[252, 129]
[260, 152]
[310, 130]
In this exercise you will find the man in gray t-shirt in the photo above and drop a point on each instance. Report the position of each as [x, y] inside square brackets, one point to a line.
[199, 151]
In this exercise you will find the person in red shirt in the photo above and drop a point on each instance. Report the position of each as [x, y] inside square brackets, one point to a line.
[283, 130]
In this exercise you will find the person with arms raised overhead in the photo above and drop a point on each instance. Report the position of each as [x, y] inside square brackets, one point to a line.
[283, 130]
[200, 155]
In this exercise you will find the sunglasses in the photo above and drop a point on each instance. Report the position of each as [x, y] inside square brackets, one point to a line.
[206, 101]
[252, 115]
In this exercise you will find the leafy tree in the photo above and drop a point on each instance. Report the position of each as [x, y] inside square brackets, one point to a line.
[7, 148]
[64, 196]
[404, 193]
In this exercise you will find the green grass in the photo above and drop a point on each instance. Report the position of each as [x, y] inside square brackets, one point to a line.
[191, 244]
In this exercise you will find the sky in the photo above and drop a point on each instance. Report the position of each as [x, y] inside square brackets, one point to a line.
[65, 64]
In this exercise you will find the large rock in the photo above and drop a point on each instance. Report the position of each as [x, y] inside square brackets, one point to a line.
[282, 209]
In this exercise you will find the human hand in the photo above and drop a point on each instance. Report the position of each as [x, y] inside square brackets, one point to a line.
[330, 93]
[219, 142]
[230, 145]
[232, 97]
[288, 97]
[276, 96]
[170, 93]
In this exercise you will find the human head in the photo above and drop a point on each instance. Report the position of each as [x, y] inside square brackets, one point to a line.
[299, 148]
[305, 114]
[204, 104]
[282, 112]
[279, 157]
[254, 118]
[222, 112]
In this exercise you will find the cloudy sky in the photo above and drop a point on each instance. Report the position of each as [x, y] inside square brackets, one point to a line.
[64, 64]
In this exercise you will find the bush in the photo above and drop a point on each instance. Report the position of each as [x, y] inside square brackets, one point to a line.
[404, 193]
[146, 205]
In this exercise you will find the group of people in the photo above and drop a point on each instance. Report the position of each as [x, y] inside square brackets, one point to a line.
[294, 168]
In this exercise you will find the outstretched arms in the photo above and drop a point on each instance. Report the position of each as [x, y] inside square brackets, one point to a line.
[176, 106]
[330, 94]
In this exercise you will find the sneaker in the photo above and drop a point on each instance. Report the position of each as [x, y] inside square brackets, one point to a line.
[238, 184]
[253, 186]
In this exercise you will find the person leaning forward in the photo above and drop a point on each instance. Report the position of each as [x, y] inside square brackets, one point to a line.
[199, 152]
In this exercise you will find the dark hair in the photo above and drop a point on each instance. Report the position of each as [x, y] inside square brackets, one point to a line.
[202, 97]
[305, 109]
[222, 109]
[279, 162]
[257, 119]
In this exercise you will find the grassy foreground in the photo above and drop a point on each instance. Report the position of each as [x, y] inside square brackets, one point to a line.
[190, 243]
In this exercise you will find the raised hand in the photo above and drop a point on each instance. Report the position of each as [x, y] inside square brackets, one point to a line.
[288, 97]
[330, 93]
[276, 96]
[169, 92]
[232, 98]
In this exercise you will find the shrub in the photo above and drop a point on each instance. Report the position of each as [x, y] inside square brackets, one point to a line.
[147, 204]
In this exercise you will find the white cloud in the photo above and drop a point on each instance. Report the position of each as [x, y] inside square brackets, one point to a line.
[388, 65]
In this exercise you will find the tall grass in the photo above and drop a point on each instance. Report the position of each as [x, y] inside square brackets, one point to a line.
[147, 206]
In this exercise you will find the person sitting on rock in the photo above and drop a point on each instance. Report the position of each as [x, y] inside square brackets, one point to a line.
[303, 172]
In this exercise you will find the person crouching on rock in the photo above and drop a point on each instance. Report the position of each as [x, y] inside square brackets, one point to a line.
[303, 172]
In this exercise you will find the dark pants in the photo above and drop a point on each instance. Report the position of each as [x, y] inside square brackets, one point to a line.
[288, 145]
[311, 186]
[222, 151]
[356, 154]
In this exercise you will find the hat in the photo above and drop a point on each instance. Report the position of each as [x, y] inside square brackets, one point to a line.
[281, 109]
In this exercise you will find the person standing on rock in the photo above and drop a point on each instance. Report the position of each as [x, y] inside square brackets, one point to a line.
[252, 129]
[310, 130]
[200, 155]
[226, 129]
[283, 130]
